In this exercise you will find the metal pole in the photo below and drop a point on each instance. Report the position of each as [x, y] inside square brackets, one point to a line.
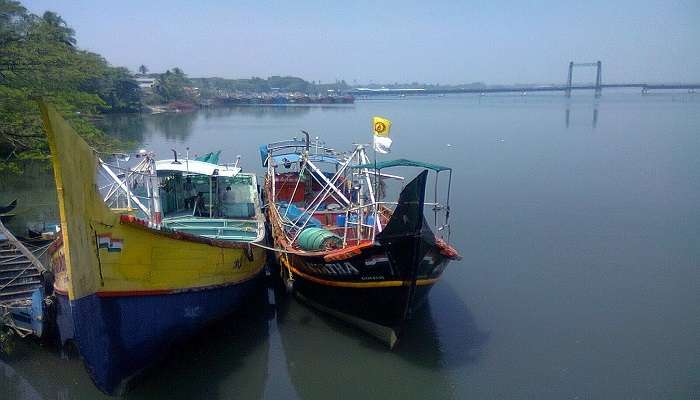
[568, 82]
[435, 207]
[598, 79]
[447, 212]
[155, 188]
[125, 188]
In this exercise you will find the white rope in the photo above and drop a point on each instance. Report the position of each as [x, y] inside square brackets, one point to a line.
[262, 246]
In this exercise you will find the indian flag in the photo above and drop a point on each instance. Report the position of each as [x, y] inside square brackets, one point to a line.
[115, 245]
[103, 240]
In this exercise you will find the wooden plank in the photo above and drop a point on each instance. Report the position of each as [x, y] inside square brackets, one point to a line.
[7, 294]
[33, 284]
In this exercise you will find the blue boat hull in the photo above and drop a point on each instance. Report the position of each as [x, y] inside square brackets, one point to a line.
[120, 337]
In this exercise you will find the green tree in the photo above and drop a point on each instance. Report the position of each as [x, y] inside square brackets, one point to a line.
[61, 31]
[12, 18]
[116, 87]
[171, 86]
[143, 69]
[38, 58]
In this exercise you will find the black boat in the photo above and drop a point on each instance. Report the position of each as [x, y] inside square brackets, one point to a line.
[340, 247]
[8, 208]
[6, 211]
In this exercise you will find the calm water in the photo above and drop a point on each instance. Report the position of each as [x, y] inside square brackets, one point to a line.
[579, 222]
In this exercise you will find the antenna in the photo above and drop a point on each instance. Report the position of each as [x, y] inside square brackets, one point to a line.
[307, 139]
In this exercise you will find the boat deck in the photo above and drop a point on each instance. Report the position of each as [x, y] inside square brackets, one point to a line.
[216, 228]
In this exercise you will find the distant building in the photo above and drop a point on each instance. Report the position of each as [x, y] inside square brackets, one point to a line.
[192, 91]
[145, 83]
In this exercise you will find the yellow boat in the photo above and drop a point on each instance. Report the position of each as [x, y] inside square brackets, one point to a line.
[132, 281]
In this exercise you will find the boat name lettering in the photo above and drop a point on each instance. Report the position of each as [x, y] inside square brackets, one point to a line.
[344, 268]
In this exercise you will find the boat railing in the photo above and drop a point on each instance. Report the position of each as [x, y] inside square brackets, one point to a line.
[425, 204]
[376, 226]
[439, 209]
[118, 190]
[287, 144]
[361, 222]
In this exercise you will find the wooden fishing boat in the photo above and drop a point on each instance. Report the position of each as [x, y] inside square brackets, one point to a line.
[9, 207]
[6, 211]
[155, 266]
[344, 250]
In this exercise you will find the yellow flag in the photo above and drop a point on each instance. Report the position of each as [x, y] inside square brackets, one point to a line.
[381, 126]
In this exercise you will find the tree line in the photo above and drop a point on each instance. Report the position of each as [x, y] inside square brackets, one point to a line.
[39, 58]
[216, 87]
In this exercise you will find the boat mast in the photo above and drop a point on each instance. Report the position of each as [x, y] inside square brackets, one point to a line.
[330, 185]
[157, 216]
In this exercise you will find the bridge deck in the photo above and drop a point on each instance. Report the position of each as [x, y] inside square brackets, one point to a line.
[521, 89]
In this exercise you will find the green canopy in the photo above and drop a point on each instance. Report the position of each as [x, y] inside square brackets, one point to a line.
[402, 162]
[212, 157]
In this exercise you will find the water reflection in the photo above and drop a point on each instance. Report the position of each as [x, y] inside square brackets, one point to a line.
[229, 359]
[443, 333]
[567, 116]
[130, 129]
[38, 370]
[280, 112]
[326, 358]
[135, 129]
[172, 126]
[127, 128]
[15, 386]
[35, 192]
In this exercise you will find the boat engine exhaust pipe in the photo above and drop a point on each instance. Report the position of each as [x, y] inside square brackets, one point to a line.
[175, 156]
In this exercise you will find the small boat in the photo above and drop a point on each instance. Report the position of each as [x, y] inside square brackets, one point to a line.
[343, 249]
[6, 211]
[22, 277]
[147, 254]
[9, 207]
[7, 216]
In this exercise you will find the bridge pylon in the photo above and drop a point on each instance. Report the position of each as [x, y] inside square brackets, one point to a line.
[598, 76]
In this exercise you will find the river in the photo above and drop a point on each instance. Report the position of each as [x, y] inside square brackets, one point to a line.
[578, 220]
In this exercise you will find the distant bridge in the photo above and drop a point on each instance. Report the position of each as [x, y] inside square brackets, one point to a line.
[566, 88]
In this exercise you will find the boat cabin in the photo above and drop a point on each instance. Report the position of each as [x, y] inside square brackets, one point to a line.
[216, 201]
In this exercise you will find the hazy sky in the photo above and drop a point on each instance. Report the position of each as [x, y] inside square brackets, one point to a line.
[394, 41]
